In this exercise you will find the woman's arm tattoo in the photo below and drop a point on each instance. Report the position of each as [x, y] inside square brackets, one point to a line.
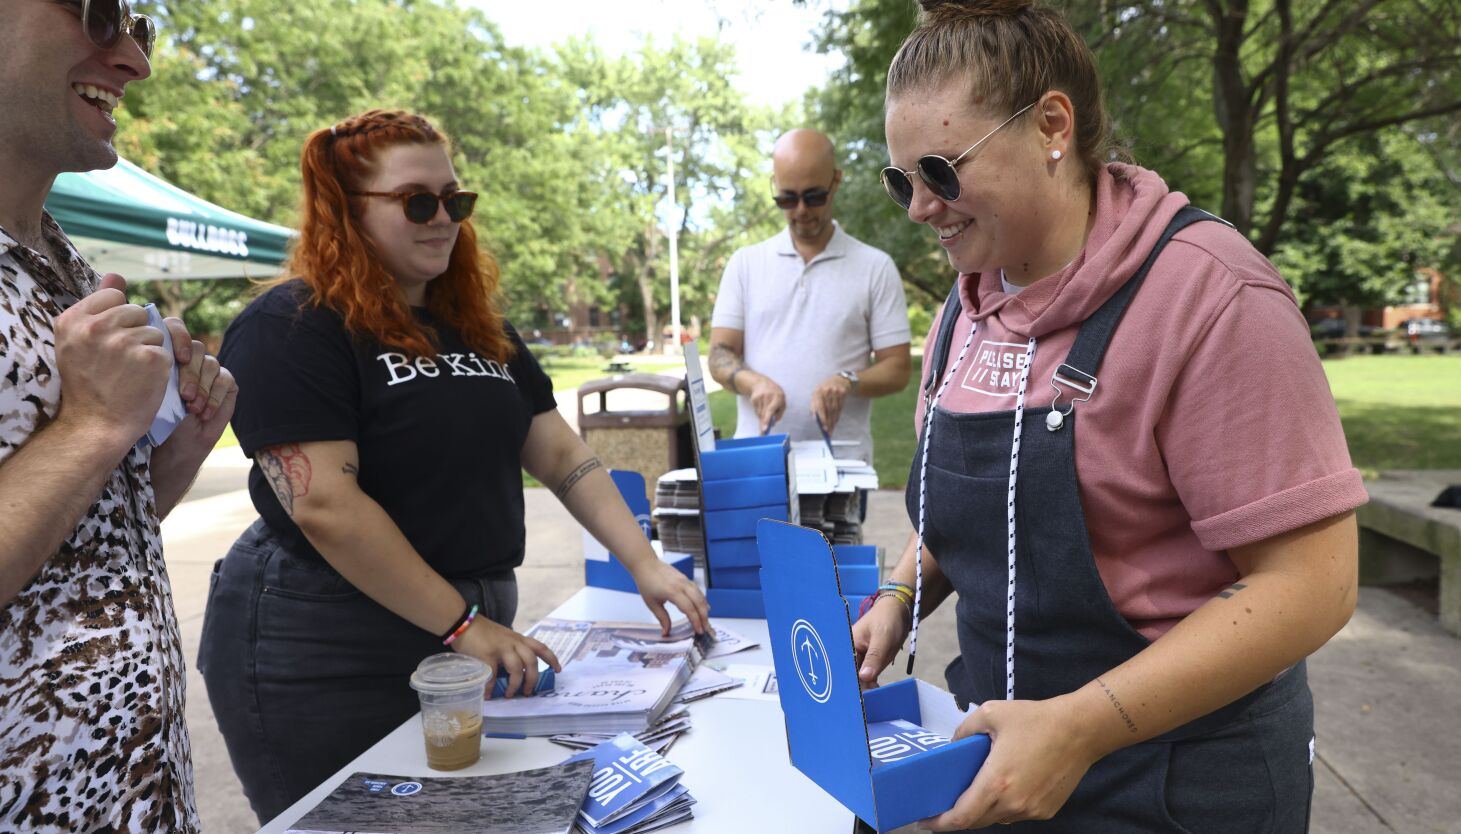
[575, 476]
[1116, 702]
[288, 471]
[351, 469]
[1231, 589]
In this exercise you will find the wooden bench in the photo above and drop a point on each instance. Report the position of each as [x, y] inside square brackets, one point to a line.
[1403, 538]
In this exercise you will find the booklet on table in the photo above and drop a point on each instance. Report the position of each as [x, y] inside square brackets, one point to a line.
[616, 677]
[542, 801]
[634, 789]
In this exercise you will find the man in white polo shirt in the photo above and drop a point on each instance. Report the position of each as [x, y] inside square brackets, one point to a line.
[811, 324]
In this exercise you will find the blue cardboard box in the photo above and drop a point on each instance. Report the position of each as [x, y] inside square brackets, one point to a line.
[739, 493]
[827, 713]
[734, 553]
[861, 580]
[746, 457]
[855, 554]
[744, 578]
[740, 524]
[736, 602]
[602, 569]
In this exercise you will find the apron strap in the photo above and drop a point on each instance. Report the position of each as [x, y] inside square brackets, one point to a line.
[943, 341]
[1095, 332]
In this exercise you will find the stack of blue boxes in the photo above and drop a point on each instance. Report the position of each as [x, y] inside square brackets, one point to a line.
[857, 572]
[741, 482]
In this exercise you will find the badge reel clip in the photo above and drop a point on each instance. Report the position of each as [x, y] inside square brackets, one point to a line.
[1075, 379]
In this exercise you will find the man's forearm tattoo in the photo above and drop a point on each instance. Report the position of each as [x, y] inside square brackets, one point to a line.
[1116, 702]
[725, 362]
[575, 476]
[288, 471]
[1231, 589]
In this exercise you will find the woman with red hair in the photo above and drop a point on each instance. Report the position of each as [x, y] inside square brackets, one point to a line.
[391, 412]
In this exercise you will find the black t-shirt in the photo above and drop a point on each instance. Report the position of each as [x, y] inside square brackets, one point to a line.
[440, 438]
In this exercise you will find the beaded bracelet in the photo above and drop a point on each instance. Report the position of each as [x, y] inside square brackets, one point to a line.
[898, 594]
[461, 627]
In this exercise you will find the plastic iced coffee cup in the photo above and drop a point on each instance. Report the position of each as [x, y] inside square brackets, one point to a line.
[451, 687]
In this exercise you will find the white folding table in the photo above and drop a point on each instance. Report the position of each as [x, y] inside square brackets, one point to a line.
[734, 756]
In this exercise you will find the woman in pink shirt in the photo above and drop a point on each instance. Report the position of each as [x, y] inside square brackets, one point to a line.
[1130, 469]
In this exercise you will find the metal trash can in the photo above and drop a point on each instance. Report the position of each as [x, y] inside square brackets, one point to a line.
[650, 441]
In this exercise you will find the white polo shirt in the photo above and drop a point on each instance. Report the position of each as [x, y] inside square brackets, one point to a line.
[804, 322]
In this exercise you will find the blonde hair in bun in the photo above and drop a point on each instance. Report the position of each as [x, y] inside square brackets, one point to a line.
[1011, 52]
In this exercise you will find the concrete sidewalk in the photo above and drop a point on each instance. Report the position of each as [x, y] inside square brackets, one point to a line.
[1385, 689]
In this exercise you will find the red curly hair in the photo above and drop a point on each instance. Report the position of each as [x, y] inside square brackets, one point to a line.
[339, 262]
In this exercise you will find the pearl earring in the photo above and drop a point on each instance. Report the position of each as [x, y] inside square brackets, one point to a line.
[1055, 154]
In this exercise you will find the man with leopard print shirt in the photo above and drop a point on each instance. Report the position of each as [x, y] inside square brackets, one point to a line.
[91, 670]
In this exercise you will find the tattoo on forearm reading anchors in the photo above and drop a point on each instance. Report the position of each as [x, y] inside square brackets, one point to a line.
[288, 471]
[1116, 702]
[1231, 589]
[575, 476]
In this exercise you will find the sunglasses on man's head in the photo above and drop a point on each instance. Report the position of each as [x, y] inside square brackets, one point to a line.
[813, 197]
[421, 206]
[106, 21]
[939, 174]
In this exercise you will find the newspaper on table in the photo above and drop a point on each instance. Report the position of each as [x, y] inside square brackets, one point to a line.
[759, 682]
[704, 683]
[634, 789]
[617, 677]
[547, 800]
[657, 738]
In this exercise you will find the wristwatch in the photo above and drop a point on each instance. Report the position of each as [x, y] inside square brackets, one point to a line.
[851, 377]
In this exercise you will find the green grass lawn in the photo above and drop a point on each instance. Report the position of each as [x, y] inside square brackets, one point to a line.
[1399, 412]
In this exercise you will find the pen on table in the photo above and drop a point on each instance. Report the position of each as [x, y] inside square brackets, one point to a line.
[826, 438]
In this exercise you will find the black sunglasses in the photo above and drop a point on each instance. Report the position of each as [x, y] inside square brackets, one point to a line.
[421, 206]
[939, 174]
[106, 21]
[813, 197]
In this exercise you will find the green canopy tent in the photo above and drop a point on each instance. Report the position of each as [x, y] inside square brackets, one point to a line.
[127, 221]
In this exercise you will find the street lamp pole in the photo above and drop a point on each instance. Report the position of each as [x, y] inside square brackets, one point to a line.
[674, 235]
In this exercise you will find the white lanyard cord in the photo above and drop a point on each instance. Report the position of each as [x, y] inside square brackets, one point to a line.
[1009, 614]
[923, 501]
[923, 488]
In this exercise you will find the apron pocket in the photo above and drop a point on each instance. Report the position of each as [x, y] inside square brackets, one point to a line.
[1221, 782]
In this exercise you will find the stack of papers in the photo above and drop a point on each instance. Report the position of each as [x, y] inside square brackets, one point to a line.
[831, 490]
[634, 789]
[678, 490]
[543, 801]
[658, 738]
[617, 677]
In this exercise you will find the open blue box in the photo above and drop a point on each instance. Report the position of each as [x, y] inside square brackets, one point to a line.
[825, 710]
[746, 457]
[602, 569]
[740, 524]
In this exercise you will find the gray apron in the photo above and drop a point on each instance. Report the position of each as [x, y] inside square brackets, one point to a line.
[1244, 768]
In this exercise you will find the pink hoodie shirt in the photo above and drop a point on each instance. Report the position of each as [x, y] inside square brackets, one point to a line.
[1212, 425]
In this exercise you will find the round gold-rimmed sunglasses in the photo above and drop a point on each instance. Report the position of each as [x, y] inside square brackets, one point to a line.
[421, 206]
[106, 21]
[939, 174]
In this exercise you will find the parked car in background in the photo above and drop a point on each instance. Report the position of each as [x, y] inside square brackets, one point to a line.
[1423, 333]
[1334, 329]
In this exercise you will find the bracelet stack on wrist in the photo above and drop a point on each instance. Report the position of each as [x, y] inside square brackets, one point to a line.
[461, 626]
[898, 590]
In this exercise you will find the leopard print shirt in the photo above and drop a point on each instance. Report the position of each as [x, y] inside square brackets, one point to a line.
[92, 736]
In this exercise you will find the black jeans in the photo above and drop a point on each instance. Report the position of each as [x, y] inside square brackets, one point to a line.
[304, 671]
